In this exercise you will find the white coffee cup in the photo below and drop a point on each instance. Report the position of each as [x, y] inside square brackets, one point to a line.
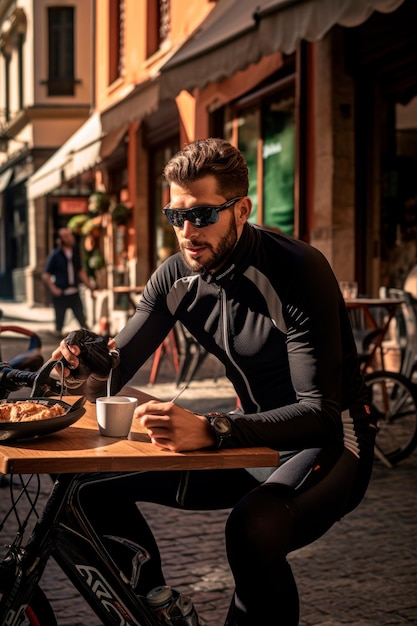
[115, 415]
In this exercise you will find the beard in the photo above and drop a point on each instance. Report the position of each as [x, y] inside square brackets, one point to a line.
[218, 255]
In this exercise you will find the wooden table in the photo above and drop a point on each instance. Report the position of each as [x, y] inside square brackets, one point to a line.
[81, 448]
[367, 304]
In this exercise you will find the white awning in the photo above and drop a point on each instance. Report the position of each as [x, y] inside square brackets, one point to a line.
[78, 154]
[238, 33]
[94, 140]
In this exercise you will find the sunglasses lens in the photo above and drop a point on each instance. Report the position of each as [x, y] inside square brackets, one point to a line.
[199, 217]
[175, 218]
[204, 216]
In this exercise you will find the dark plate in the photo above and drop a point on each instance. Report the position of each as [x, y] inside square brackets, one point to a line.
[12, 431]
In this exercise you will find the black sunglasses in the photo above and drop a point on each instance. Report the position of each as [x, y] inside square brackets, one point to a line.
[199, 216]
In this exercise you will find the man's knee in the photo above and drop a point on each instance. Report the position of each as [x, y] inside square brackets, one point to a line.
[261, 521]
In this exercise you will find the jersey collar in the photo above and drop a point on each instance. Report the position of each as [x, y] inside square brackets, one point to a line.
[239, 260]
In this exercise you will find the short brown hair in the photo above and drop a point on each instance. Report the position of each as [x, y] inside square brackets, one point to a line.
[210, 157]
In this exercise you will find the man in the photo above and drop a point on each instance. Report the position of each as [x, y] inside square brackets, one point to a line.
[270, 309]
[63, 273]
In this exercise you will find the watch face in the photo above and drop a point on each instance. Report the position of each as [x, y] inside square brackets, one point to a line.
[221, 425]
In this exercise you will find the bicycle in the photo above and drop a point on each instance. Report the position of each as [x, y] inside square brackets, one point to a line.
[63, 532]
[392, 394]
[394, 397]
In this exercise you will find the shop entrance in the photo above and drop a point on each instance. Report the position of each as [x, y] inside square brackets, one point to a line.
[382, 56]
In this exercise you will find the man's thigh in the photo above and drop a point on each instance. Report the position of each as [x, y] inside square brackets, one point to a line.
[214, 489]
[194, 490]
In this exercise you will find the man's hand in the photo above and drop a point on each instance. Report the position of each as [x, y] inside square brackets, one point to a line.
[86, 353]
[70, 354]
[173, 428]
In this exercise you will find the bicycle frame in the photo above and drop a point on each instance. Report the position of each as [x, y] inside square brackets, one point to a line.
[63, 532]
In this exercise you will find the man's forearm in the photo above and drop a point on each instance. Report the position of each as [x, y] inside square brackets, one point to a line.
[56, 291]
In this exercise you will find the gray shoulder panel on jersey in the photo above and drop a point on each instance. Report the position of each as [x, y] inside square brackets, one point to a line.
[178, 291]
[273, 302]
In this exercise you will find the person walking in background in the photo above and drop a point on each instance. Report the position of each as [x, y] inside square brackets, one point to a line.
[63, 273]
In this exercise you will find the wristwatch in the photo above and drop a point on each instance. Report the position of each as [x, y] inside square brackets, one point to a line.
[221, 426]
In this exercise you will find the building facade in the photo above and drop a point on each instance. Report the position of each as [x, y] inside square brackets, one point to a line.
[46, 91]
[319, 95]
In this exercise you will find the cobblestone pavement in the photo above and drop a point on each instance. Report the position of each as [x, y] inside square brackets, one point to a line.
[362, 573]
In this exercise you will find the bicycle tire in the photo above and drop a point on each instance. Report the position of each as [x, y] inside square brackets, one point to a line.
[38, 612]
[395, 399]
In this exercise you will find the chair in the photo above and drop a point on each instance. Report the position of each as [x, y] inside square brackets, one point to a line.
[186, 353]
[365, 334]
[168, 346]
[191, 354]
[31, 360]
[405, 329]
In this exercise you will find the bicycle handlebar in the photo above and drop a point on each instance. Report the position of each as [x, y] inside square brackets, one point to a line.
[12, 379]
[41, 382]
[94, 355]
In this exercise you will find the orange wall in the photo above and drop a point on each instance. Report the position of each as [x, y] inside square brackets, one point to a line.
[185, 17]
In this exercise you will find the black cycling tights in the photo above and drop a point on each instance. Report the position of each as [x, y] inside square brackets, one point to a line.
[300, 501]
[272, 521]
[257, 542]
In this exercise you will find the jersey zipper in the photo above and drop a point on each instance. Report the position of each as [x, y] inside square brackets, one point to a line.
[225, 333]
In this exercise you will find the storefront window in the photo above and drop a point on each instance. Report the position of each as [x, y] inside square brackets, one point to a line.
[266, 135]
[248, 125]
[278, 165]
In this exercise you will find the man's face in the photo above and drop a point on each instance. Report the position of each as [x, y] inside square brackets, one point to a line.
[66, 236]
[206, 248]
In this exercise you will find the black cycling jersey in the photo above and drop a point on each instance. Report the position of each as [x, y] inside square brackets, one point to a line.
[269, 316]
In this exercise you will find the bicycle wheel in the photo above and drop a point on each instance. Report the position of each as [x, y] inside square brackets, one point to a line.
[38, 612]
[395, 399]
